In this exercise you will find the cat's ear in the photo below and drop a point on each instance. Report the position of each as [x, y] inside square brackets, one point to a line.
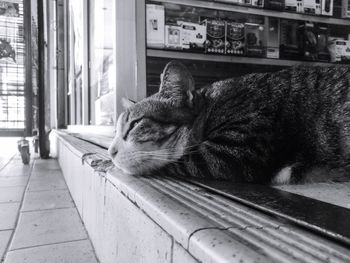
[195, 101]
[176, 80]
[127, 103]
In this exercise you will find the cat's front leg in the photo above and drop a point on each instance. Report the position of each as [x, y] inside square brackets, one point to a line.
[292, 174]
[299, 172]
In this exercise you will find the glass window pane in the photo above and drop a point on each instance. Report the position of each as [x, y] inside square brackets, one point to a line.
[102, 61]
[76, 60]
[12, 72]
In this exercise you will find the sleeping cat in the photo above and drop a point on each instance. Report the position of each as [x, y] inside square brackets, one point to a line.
[291, 126]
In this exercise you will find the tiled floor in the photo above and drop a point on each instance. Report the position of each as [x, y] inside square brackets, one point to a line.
[38, 218]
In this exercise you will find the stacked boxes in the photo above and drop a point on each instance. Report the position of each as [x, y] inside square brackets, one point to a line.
[294, 6]
[228, 1]
[258, 3]
[312, 7]
[173, 37]
[235, 40]
[245, 2]
[254, 39]
[193, 35]
[322, 43]
[345, 9]
[340, 50]
[273, 38]
[327, 8]
[315, 7]
[216, 36]
[155, 24]
[308, 40]
[274, 4]
[289, 40]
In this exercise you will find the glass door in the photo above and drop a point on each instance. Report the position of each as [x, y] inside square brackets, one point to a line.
[12, 66]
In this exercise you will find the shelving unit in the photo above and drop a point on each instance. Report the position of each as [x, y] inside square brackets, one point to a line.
[210, 64]
[258, 11]
[159, 53]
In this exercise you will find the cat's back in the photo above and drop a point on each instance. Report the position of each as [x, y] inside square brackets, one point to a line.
[296, 94]
[297, 81]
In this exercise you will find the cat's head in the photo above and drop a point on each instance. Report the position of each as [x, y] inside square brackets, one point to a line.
[154, 131]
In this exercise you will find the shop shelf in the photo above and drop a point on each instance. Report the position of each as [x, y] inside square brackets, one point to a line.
[159, 53]
[258, 11]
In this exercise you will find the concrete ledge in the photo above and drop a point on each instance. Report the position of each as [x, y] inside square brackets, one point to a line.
[137, 219]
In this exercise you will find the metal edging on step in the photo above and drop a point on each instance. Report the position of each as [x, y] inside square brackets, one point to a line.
[323, 218]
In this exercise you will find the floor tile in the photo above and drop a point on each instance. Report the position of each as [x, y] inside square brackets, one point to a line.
[11, 194]
[6, 181]
[16, 168]
[4, 240]
[46, 172]
[8, 215]
[48, 164]
[47, 182]
[72, 252]
[51, 199]
[4, 161]
[48, 227]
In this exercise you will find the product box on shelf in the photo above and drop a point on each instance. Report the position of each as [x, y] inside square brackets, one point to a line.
[258, 3]
[173, 36]
[234, 38]
[294, 6]
[273, 38]
[345, 57]
[216, 32]
[289, 47]
[254, 39]
[228, 1]
[312, 7]
[155, 23]
[327, 7]
[345, 9]
[339, 50]
[308, 40]
[245, 2]
[322, 43]
[193, 35]
[274, 4]
[240, 2]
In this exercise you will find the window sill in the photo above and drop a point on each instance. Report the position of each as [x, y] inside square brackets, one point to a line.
[165, 220]
[98, 135]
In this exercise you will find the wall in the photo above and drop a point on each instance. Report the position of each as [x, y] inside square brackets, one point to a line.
[119, 230]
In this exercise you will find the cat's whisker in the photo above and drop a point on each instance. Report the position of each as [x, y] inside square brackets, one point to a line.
[170, 161]
[155, 153]
[167, 150]
[138, 157]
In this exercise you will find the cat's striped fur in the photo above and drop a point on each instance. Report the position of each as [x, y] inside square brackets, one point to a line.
[243, 129]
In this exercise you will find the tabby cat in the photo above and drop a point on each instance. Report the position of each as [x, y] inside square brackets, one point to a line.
[289, 126]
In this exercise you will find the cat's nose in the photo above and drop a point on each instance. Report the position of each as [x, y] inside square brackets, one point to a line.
[112, 150]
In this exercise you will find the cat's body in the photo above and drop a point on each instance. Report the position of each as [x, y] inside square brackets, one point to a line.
[243, 129]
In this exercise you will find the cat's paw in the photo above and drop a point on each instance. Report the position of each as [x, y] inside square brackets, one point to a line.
[283, 176]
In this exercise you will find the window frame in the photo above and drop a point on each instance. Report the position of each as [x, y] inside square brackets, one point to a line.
[130, 63]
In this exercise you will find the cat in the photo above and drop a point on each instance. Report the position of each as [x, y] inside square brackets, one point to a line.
[290, 126]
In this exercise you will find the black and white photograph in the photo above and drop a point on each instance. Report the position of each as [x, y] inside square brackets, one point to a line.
[174, 131]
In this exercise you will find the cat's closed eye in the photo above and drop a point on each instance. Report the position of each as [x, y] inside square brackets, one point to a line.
[132, 125]
[149, 129]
